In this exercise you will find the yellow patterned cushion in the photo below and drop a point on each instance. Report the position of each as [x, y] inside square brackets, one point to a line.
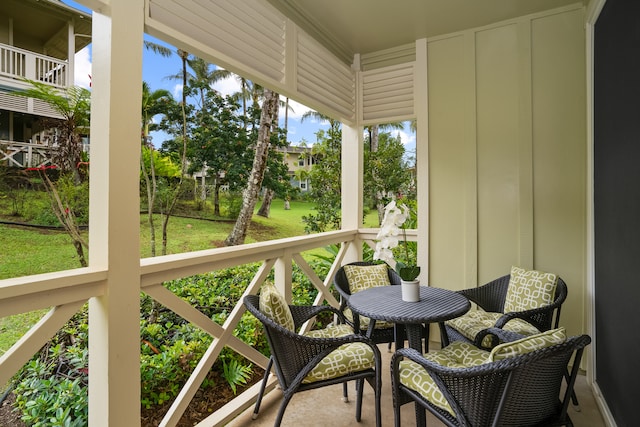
[332, 331]
[471, 323]
[274, 306]
[348, 358]
[361, 277]
[528, 344]
[529, 289]
[456, 355]
[364, 321]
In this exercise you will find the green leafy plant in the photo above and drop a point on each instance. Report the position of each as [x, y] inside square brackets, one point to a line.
[236, 374]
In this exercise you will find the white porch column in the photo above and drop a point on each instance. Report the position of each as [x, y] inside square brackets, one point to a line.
[114, 319]
[352, 188]
[421, 108]
[71, 53]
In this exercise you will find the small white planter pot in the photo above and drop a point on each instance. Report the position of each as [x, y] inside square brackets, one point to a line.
[411, 290]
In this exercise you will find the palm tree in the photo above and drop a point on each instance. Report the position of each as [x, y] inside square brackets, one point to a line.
[153, 103]
[268, 116]
[373, 148]
[74, 105]
[269, 194]
[172, 200]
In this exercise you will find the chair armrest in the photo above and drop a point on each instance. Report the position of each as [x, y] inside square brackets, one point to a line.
[501, 334]
[530, 316]
[490, 297]
[302, 313]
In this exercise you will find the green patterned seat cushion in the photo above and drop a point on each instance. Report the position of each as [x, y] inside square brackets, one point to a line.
[529, 289]
[361, 277]
[528, 344]
[471, 323]
[348, 358]
[274, 306]
[332, 331]
[456, 355]
[364, 321]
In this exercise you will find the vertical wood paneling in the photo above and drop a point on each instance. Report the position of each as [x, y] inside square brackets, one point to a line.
[448, 176]
[559, 153]
[507, 153]
[497, 94]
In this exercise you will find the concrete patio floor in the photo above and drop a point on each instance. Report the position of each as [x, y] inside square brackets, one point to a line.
[324, 406]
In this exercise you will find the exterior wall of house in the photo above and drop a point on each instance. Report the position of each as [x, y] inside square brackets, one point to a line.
[507, 153]
[4, 30]
[294, 159]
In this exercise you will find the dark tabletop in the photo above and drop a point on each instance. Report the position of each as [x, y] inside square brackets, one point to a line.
[385, 303]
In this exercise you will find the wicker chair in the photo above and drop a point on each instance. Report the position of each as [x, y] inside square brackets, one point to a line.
[380, 334]
[491, 298]
[519, 391]
[295, 355]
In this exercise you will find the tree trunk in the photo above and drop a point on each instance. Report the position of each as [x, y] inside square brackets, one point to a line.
[216, 197]
[373, 140]
[265, 208]
[250, 194]
[151, 195]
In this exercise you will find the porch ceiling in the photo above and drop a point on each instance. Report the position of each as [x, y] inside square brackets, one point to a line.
[365, 26]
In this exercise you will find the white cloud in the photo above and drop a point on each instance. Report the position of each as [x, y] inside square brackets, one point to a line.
[82, 69]
[228, 86]
[405, 137]
[296, 109]
[177, 91]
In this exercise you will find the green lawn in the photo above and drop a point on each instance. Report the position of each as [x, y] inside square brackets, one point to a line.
[27, 251]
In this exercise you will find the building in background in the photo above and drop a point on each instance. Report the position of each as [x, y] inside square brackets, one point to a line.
[38, 41]
[299, 160]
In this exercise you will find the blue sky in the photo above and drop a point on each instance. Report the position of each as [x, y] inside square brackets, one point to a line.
[156, 68]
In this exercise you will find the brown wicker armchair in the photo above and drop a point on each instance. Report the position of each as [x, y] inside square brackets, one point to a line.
[381, 333]
[519, 391]
[491, 298]
[294, 356]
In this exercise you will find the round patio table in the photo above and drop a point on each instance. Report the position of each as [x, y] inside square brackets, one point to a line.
[436, 305]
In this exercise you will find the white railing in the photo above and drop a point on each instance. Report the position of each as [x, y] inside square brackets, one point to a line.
[28, 155]
[16, 63]
[25, 155]
[67, 291]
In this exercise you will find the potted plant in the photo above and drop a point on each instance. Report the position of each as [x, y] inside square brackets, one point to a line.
[393, 225]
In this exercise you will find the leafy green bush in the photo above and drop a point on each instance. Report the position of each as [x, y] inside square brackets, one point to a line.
[51, 389]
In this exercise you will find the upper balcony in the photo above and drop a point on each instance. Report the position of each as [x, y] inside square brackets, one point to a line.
[18, 64]
[38, 41]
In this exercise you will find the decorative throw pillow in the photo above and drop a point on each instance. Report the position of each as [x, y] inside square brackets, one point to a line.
[275, 307]
[529, 289]
[528, 344]
[361, 277]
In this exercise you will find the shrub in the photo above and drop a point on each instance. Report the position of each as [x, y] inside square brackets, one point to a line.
[51, 389]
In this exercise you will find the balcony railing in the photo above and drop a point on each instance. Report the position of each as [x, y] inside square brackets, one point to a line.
[27, 155]
[68, 291]
[18, 64]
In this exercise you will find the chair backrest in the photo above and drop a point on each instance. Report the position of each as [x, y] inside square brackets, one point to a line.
[518, 391]
[491, 297]
[342, 283]
[288, 354]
